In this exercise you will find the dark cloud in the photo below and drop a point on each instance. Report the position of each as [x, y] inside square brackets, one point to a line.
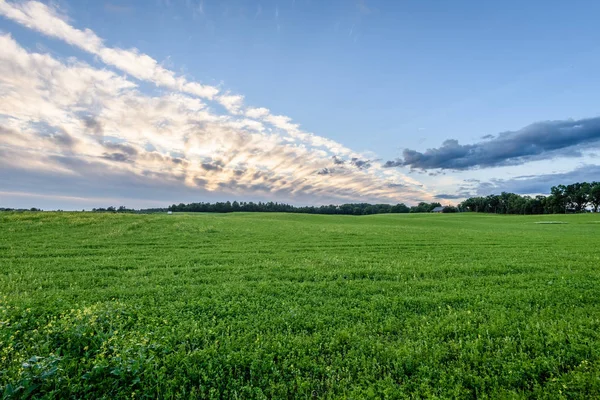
[200, 182]
[455, 196]
[234, 185]
[337, 160]
[63, 139]
[93, 124]
[394, 163]
[214, 166]
[396, 185]
[536, 184]
[324, 171]
[257, 175]
[120, 157]
[120, 148]
[542, 140]
[261, 187]
[488, 137]
[211, 167]
[360, 164]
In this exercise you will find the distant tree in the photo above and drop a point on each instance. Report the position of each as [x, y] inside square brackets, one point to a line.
[433, 205]
[400, 208]
[575, 197]
[560, 200]
[578, 195]
[594, 195]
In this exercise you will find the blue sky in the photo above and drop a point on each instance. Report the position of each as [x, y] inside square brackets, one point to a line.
[355, 80]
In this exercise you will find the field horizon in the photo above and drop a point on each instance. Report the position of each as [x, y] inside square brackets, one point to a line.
[276, 305]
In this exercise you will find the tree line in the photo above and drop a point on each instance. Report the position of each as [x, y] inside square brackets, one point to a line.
[243, 206]
[20, 209]
[575, 198]
[343, 209]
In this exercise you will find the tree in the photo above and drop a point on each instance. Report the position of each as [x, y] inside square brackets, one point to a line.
[400, 208]
[577, 195]
[560, 201]
[433, 205]
[594, 196]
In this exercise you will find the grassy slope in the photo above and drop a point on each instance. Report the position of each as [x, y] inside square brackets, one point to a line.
[276, 305]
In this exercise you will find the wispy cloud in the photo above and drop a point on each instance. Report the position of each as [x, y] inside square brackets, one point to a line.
[47, 21]
[363, 8]
[196, 7]
[541, 140]
[117, 8]
[74, 122]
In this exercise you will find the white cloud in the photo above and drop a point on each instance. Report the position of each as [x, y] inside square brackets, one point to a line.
[257, 112]
[46, 20]
[73, 119]
[233, 103]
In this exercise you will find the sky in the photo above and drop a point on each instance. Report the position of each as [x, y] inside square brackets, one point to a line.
[150, 103]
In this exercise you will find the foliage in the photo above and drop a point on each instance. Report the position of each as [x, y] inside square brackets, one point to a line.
[254, 305]
[344, 209]
[423, 207]
[19, 209]
[574, 198]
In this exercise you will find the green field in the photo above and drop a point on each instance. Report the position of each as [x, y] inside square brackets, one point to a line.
[299, 306]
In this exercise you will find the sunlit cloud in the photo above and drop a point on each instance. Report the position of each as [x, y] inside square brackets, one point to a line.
[69, 118]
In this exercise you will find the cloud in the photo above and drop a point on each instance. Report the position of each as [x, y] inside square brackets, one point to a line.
[46, 20]
[233, 103]
[212, 166]
[393, 163]
[120, 147]
[257, 112]
[448, 196]
[360, 164]
[119, 157]
[117, 8]
[541, 140]
[536, 184]
[337, 160]
[363, 8]
[64, 122]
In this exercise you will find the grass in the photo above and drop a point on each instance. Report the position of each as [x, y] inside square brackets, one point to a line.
[299, 306]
